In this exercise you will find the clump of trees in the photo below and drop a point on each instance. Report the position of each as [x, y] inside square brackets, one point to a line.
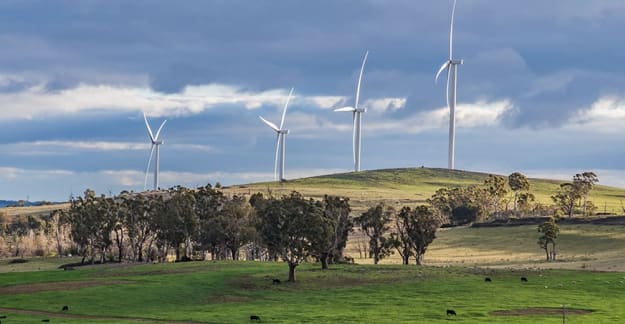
[573, 195]
[547, 241]
[415, 230]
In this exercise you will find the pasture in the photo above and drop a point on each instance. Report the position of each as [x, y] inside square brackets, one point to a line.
[230, 292]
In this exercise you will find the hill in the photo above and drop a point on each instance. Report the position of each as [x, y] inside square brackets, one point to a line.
[414, 186]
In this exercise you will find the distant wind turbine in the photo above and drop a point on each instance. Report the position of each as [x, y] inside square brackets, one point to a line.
[452, 70]
[357, 118]
[278, 170]
[155, 150]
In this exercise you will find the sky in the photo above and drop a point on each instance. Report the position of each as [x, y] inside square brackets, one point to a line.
[540, 91]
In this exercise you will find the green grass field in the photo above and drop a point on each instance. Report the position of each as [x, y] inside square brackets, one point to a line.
[229, 292]
[414, 186]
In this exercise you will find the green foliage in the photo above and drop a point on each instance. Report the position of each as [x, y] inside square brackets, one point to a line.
[334, 229]
[519, 183]
[415, 230]
[375, 224]
[547, 240]
[288, 227]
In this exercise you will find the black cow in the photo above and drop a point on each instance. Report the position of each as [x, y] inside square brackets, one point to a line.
[487, 279]
[45, 320]
[523, 279]
[276, 281]
[451, 312]
[65, 308]
[254, 318]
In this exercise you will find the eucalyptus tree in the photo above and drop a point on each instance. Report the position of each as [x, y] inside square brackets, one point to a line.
[518, 183]
[375, 223]
[333, 231]
[288, 225]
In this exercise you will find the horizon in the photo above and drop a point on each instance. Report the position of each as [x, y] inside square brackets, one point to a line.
[537, 93]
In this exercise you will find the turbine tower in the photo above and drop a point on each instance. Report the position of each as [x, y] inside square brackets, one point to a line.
[452, 70]
[357, 118]
[156, 143]
[278, 170]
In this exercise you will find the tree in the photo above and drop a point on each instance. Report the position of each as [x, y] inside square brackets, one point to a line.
[334, 229]
[518, 183]
[287, 226]
[460, 206]
[415, 230]
[236, 222]
[55, 225]
[496, 188]
[584, 183]
[375, 224]
[547, 240]
[566, 197]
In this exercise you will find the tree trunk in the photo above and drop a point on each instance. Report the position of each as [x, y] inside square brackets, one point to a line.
[324, 261]
[515, 197]
[233, 250]
[547, 253]
[419, 258]
[292, 266]
[177, 249]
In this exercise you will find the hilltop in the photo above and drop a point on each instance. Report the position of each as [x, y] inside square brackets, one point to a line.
[414, 186]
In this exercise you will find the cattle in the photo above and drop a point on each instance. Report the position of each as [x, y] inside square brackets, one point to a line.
[451, 312]
[276, 281]
[487, 279]
[45, 320]
[65, 308]
[523, 279]
[254, 318]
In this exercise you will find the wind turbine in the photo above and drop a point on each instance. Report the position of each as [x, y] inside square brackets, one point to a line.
[357, 118]
[452, 70]
[278, 170]
[156, 143]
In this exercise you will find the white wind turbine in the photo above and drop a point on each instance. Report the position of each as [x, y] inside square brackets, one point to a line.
[278, 171]
[357, 118]
[156, 143]
[452, 70]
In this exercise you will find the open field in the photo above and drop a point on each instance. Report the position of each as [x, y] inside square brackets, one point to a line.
[414, 186]
[32, 210]
[229, 292]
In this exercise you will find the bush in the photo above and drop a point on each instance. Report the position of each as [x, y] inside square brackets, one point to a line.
[464, 215]
[39, 252]
[14, 261]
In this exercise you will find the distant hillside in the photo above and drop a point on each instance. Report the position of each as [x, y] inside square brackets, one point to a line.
[414, 185]
[24, 203]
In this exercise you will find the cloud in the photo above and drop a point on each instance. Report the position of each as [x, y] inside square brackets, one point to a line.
[385, 104]
[606, 115]
[66, 147]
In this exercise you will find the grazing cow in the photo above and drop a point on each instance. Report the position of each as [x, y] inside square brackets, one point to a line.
[451, 312]
[65, 308]
[487, 279]
[254, 318]
[45, 320]
[3, 316]
[523, 279]
[276, 281]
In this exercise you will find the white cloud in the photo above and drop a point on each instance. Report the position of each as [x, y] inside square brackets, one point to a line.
[606, 115]
[478, 114]
[65, 147]
[384, 104]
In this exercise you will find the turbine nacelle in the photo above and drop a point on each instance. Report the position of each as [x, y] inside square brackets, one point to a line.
[283, 131]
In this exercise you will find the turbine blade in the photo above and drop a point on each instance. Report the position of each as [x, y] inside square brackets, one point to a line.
[350, 109]
[158, 132]
[148, 126]
[275, 165]
[447, 91]
[145, 183]
[443, 67]
[451, 31]
[362, 69]
[354, 136]
[286, 105]
[270, 124]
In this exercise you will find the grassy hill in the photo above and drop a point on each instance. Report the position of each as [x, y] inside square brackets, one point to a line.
[414, 186]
